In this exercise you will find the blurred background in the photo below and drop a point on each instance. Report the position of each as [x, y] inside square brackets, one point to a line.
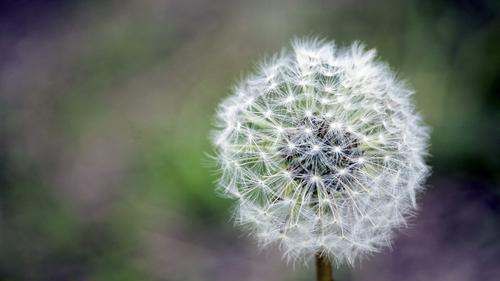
[106, 107]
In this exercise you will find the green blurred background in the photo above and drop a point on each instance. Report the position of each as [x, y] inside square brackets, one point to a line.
[106, 108]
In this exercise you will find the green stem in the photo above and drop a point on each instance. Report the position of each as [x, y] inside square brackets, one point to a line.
[323, 268]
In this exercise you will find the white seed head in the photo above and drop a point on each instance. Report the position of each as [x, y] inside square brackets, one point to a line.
[323, 151]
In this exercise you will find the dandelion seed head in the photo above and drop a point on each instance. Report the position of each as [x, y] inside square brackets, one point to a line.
[322, 150]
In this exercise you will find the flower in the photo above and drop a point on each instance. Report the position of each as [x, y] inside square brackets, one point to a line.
[322, 150]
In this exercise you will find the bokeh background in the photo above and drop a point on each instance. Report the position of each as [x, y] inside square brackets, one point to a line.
[106, 108]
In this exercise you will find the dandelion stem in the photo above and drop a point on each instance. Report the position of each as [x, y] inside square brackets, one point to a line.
[323, 268]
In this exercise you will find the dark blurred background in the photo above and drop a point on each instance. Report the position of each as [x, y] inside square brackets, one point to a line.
[106, 107]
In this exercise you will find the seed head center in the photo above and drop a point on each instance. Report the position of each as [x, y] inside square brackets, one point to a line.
[318, 154]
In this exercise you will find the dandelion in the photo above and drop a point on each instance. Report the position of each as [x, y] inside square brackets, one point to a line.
[323, 151]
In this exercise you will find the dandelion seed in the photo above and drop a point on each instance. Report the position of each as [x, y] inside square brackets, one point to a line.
[315, 148]
[343, 173]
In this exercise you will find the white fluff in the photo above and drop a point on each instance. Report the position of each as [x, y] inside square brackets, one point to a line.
[322, 150]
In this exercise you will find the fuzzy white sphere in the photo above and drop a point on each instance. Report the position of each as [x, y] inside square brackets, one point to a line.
[322, 150]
